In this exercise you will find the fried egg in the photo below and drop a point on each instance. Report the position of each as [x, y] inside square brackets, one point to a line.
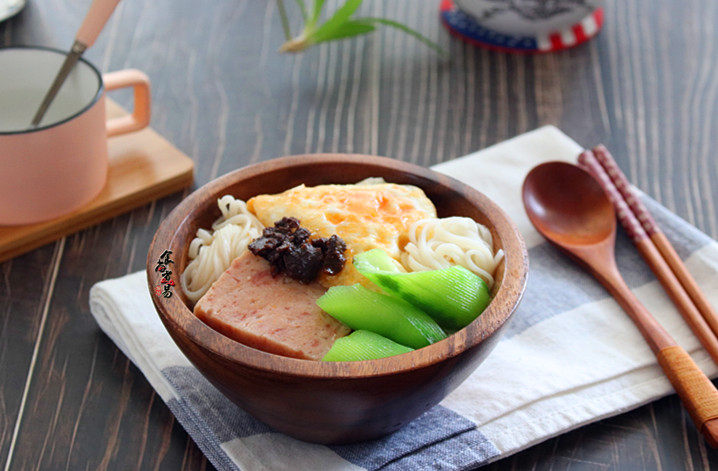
[366, 216]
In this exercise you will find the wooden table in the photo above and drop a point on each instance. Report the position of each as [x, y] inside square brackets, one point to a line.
[647, 87]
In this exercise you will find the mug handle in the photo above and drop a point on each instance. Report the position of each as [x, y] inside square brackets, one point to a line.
[140, 117]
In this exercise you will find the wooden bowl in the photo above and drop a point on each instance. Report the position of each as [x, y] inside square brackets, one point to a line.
[346, 401]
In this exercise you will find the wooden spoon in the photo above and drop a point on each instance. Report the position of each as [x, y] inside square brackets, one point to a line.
[570, 209]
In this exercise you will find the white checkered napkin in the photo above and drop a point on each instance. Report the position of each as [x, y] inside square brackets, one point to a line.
[569, 357]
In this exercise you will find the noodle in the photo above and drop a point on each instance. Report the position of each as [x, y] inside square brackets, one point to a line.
[211, 252]
[440, 243]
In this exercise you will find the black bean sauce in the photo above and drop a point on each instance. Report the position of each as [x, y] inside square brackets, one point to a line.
[288, 249]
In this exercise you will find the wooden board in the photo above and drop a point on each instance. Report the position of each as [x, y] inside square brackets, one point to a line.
[143, 167]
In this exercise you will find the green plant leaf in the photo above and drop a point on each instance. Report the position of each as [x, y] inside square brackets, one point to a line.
[303, 9]
[407, 30]
[285, 20]
[341, 25]
[348, 29]
[316, 13]
[337, 20]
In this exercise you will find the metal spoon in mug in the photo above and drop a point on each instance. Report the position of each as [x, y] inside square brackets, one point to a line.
[94, 21]
[569, 207]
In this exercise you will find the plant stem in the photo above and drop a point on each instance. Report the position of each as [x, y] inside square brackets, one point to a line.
[303, 9]
[285, 20]
[395, 24]
[297, 44]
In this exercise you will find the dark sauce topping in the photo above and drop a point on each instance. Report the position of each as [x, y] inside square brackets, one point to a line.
[288, 249]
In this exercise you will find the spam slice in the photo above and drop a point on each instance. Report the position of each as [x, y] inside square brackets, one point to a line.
[275, 314]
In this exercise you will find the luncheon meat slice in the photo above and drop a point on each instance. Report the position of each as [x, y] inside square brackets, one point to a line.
[275, 314]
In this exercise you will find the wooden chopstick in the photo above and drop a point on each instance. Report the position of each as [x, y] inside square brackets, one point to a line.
[631, 223]
[657, 236]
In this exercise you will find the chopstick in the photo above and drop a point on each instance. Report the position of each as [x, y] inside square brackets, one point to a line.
[635, 225]
[657, 236]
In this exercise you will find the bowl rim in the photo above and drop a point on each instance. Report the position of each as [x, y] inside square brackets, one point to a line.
[175, 312]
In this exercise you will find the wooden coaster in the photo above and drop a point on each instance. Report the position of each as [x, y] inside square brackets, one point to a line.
[144, 166]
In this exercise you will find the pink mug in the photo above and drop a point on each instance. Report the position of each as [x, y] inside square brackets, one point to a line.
[62, 164]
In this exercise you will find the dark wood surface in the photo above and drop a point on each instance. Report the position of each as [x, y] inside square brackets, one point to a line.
[647, 87]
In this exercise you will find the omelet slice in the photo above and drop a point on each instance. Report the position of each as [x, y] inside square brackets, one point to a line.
[366, 216]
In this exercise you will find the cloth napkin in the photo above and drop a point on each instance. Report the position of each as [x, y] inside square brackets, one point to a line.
[569, 357]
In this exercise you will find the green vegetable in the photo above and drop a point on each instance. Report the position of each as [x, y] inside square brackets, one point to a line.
[363, 345]
[377, 259]
[363, 309]
[453, 296]
[340, 24]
